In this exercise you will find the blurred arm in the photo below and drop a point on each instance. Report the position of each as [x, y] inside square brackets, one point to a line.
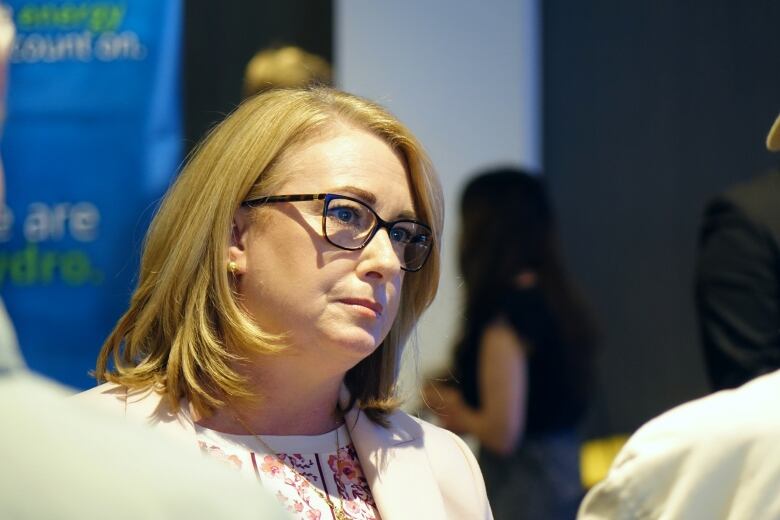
[499, 422]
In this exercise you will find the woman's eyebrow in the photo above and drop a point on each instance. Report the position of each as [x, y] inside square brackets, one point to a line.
[365, 196]
[369, 198]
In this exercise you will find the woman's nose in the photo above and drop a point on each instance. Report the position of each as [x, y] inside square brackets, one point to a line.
[379, 257]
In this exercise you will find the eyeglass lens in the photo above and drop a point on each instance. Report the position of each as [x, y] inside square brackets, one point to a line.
[350, 224]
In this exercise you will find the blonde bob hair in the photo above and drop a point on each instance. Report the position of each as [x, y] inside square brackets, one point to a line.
[185, 331]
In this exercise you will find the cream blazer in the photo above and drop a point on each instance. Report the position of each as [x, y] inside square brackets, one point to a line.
[414, 469]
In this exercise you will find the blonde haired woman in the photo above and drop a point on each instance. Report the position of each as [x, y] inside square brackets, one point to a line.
[280, 279]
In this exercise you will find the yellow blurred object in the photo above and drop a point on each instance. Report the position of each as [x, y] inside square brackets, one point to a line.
[285, 67]
[596, 457]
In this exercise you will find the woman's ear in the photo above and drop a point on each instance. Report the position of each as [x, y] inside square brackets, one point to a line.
[236, 260]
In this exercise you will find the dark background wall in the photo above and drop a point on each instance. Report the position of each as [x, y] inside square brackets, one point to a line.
[650, 108]
[221, 37]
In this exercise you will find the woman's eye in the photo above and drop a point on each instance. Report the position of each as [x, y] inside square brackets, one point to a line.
[421, 239]
[400, 235]
[344, 215]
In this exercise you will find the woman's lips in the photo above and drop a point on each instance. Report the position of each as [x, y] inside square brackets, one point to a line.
[374, 307]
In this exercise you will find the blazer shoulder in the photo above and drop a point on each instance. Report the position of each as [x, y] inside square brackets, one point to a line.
[455, 468]
[407, 426]
[449, 453]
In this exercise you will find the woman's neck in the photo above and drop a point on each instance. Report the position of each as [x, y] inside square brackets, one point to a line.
[292, 401]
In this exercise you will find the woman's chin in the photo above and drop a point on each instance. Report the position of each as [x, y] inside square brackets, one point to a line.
[358, 344]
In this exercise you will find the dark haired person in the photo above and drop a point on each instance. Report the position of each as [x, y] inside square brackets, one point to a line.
[522, 362]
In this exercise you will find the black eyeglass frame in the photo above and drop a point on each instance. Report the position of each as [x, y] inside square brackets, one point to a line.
[328, 197]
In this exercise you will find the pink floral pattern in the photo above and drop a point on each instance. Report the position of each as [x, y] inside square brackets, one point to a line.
[272, 466]
[356, 497]
[291, 477]
[217, 453]
[278, 467]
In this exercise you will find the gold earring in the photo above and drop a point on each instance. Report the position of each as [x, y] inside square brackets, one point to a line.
[232, 267]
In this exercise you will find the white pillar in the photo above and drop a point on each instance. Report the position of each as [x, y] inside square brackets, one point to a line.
[465, 76]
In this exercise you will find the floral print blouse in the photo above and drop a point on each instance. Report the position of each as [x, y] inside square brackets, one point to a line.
[299, 462]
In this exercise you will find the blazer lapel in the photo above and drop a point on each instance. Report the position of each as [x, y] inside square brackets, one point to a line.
[396, 466]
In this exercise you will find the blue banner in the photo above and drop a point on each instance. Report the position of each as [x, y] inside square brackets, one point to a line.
[92, 140]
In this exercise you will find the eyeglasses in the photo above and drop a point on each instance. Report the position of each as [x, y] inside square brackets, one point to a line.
[350, 224]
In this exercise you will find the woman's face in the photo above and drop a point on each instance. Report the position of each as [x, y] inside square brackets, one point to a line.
[333, 303]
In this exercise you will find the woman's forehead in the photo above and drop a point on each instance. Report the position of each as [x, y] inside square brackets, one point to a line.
[352, 162]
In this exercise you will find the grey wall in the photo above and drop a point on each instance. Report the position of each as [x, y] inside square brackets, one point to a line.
[650, 108]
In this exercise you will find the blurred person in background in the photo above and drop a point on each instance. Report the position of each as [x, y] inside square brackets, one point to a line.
[522, 366]
[280, 279]
[716, 457]
[71, 460]
[285, 67]
[738, 280]
[63, 459]
[8, 356]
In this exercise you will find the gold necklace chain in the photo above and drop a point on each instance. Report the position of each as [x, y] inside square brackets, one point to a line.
[338, 510]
